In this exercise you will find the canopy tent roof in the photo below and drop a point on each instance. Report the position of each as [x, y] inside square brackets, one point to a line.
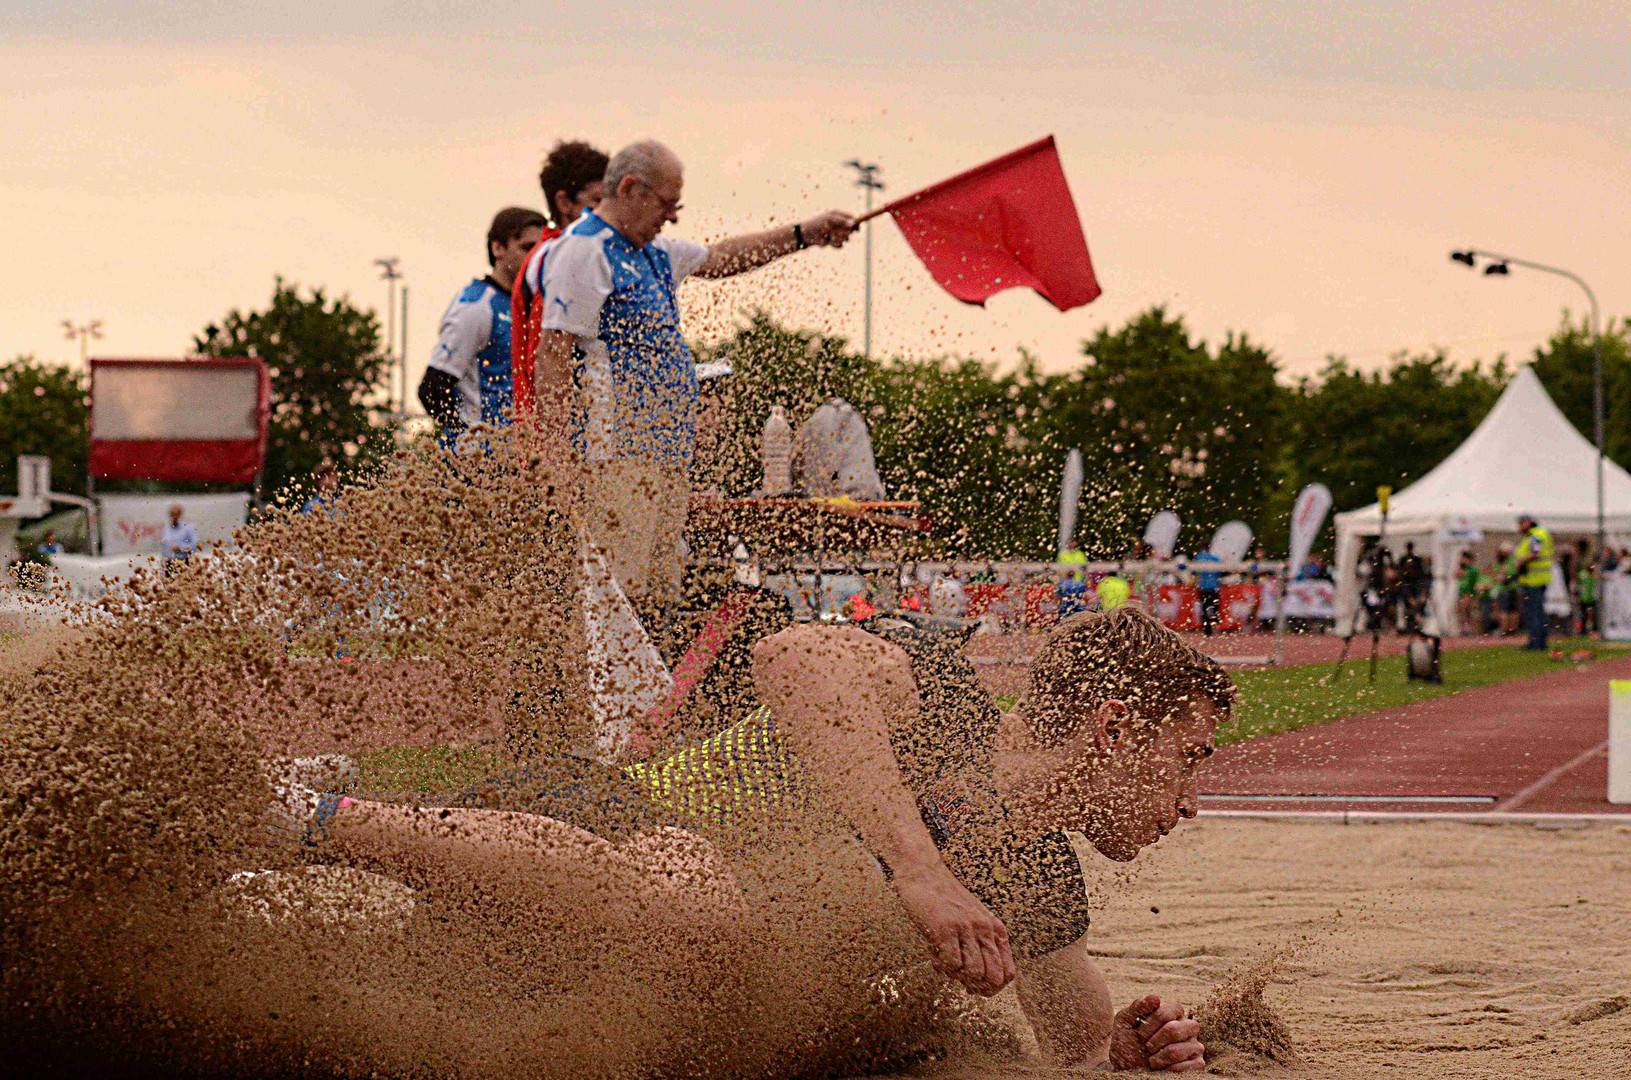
[1525, 456]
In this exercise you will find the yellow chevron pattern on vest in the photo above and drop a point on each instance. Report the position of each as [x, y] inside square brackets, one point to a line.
[744, 769]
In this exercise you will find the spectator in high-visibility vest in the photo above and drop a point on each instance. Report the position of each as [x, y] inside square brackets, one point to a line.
[1072, 587]
[1531, 566]
[1073, 557]
[1114, 591]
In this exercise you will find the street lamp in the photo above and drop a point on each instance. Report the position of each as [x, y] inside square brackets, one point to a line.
[388, 270]
[1498, 266]
[867, 177]
[84, 332]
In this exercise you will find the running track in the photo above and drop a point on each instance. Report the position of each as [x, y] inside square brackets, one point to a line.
[1538, 745]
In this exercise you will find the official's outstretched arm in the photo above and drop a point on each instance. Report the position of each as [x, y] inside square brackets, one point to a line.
[739, 254]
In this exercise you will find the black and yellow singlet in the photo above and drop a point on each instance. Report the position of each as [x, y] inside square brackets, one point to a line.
[944, 755]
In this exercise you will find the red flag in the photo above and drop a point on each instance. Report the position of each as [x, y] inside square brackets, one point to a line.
[1005, 224]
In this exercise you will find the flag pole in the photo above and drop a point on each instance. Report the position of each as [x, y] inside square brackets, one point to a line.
[870, 214]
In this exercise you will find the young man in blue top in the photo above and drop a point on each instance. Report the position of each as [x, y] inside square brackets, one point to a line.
[468, 378]
[614, 370]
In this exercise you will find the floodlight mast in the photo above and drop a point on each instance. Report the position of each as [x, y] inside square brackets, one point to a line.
[1499, 265]
[84, 332]
[867, 177]
[388, 270]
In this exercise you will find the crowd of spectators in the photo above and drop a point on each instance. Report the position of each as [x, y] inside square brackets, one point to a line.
[1489, 601]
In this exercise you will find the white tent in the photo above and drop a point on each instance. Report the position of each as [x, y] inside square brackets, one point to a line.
[1524, 457]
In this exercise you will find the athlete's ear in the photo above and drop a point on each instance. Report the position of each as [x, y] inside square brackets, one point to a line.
[1110, 724]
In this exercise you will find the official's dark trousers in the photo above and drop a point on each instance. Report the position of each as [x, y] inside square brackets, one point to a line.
[1534, 614]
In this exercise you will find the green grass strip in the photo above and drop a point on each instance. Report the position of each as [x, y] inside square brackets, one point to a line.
[1284, 699]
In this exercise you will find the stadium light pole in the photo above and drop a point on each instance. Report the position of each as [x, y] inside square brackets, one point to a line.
[84, 332]
[866, 176]
[388, 270]
[1499, 266]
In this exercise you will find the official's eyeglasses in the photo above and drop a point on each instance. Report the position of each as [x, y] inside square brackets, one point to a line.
[673, 206]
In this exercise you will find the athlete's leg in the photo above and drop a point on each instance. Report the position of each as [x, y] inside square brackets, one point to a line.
[531, 864]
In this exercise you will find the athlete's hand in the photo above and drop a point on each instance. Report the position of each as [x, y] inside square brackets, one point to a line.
[1156, 1035]
[829, 229]
[966, 941]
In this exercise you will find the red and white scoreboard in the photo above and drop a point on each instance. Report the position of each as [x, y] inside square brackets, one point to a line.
[194, 420]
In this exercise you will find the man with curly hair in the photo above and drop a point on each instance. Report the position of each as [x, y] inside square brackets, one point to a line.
[573, 179]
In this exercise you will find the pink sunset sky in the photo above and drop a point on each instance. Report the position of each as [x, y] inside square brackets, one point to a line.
[1296, 171]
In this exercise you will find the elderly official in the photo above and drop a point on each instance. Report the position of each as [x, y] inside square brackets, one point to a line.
[613, 368]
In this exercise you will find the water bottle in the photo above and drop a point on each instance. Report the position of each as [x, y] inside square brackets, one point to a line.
[776, 449]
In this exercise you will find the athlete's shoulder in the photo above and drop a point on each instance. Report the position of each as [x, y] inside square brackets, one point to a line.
[576, 257]
[475, 292]
[590, 224]
[588, 236]
[498, 299]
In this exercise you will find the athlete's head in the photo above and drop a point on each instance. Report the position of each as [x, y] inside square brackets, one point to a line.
[513, 233]
[1122, 712]
[573, 179]
[643, 185]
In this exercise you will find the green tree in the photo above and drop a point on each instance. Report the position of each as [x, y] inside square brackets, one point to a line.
[326, 366]
[1354, 431]
[976, 448]
[1164, 422]
[44, 409]
[1564, 365]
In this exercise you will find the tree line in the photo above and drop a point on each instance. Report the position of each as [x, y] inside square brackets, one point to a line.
[1163, 419]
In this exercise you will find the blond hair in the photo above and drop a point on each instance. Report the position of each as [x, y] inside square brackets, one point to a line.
[1123, 655]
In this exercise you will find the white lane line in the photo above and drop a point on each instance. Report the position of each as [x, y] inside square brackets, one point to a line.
[1534, 789]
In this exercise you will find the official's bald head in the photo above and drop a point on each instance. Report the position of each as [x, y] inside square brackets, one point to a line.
[647, 161]
[643, 182]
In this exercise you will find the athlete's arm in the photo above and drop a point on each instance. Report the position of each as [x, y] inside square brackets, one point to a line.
[1068, 1004]
[832, 692]
[739, 254]
[439, 394]
[464, 332]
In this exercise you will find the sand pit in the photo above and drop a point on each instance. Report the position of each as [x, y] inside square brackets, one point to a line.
[133, 762]
[1460, 951]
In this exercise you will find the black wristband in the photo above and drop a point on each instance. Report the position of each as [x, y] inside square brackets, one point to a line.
[798, 237]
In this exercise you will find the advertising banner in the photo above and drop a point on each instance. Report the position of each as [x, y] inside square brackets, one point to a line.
[1178, 606]
[1311, 600]
[132, 524]
[1231, 540]
[1162, 533]
[1307, 518]
[1237, 607]
[1070, 493]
